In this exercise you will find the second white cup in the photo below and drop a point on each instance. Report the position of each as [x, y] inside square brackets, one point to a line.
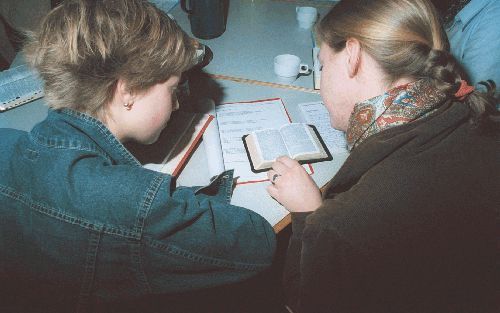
[306, 16]
[288, 65]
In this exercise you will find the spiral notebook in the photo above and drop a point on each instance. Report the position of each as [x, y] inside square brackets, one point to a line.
[19, 85]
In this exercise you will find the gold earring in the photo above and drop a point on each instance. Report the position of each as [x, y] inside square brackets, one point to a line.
[128, 105]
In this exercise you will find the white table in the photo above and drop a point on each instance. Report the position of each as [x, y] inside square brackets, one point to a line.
[257, 31]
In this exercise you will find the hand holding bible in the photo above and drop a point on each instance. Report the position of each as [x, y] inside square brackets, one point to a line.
[293, 187]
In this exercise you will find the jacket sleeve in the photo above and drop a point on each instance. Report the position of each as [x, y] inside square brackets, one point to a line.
[194, 238]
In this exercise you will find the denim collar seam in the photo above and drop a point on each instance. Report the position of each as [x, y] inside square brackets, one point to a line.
[48, 142]
[108, 136]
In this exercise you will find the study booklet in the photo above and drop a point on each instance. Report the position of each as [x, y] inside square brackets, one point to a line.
[298, 141]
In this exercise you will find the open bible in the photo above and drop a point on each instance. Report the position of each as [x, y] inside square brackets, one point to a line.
[299, 141]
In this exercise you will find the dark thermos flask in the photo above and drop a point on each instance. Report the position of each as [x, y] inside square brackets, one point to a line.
[207, 17]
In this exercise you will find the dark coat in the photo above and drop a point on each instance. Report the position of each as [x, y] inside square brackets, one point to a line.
[408, 224]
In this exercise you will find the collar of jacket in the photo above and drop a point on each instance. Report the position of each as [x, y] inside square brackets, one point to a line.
[410, 139]
[98, 133]
[471, 9]
[397, 106]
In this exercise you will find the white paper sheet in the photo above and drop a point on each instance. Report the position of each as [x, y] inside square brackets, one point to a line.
[316, 114]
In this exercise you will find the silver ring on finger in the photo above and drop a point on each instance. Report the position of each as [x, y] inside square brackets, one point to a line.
[273, 179]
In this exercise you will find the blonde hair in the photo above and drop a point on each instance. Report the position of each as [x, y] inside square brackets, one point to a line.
[406, 39]
[84, 46]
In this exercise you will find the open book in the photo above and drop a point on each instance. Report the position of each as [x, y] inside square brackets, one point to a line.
[299, 141]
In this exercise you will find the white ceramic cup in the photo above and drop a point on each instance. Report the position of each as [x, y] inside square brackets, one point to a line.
[306, 16]
[288, 65]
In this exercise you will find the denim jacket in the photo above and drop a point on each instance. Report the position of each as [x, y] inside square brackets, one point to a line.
[80, 214]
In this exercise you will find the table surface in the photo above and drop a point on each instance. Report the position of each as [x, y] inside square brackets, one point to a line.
[256, 31]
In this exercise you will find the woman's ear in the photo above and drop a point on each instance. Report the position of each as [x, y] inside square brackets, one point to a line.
[121, 92]
[353, 50]
[123, 95]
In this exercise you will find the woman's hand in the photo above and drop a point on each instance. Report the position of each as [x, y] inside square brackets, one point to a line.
[292, 186]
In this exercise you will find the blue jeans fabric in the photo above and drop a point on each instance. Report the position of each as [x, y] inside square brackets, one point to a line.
[80, 214]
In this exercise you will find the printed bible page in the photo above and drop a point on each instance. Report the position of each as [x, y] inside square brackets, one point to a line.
[267, 146]
[299, 141]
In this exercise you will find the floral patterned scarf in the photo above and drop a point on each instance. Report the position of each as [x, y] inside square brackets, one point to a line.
[395, 107]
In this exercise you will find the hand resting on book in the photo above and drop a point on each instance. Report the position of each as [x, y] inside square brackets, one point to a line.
[293, 188]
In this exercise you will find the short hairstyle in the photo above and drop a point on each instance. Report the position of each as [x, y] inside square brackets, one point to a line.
[406, 39]
[84, 46]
